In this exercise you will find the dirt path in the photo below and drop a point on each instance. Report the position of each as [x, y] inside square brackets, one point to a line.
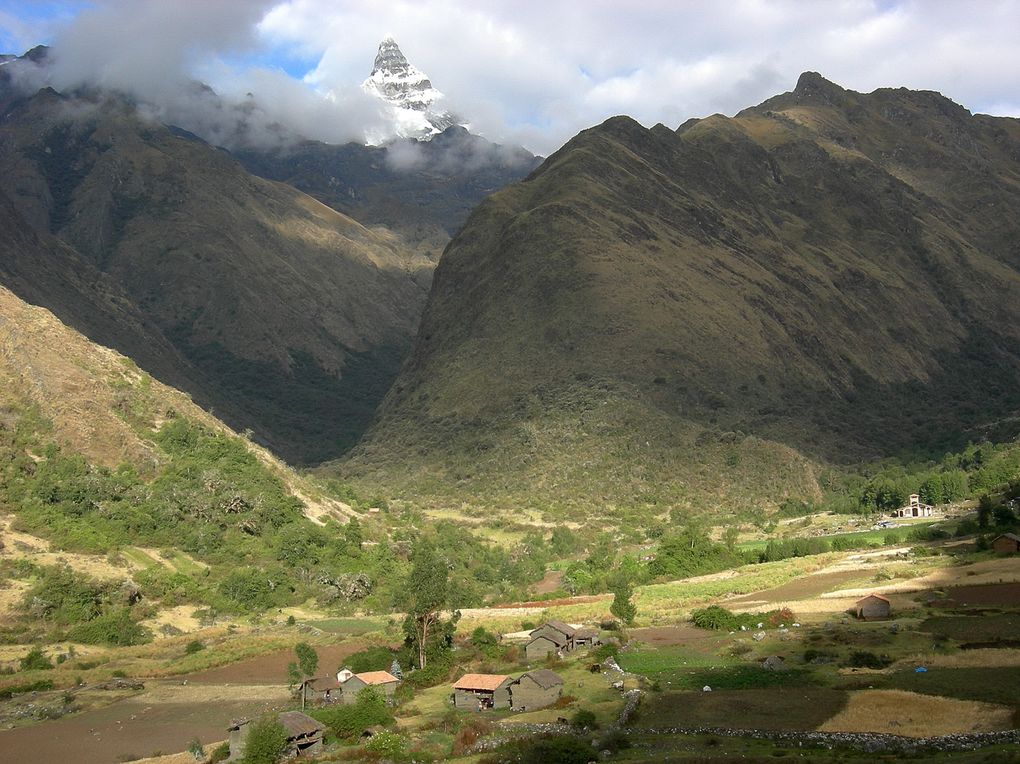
[165, 719]
[272, 667]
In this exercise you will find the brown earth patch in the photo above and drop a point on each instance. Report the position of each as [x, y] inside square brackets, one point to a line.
[132, 728]
[550, 582]
[665, 636]
[271, 668]
[985, 594]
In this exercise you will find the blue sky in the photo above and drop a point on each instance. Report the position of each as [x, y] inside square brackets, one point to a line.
[535, 71]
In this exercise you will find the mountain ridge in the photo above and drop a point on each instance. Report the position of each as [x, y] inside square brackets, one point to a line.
[746, 277]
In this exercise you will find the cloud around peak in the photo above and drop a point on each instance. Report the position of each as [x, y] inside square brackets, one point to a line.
[527, 72]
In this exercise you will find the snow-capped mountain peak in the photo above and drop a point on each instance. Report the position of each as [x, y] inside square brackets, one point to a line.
[415, 102]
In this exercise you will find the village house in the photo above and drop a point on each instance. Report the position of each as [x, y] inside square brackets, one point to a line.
[587, 638]
[915, 508]
[383, 681]
[535, 689]
[1007, 543]
[873, 606]
[320, 690]
[482, 691]
[551, 637]
[304, 736]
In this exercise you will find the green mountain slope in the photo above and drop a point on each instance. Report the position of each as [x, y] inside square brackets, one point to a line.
[293, 318]
[703, 316]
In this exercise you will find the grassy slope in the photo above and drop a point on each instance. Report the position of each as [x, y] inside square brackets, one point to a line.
[658, 318]
[291, 317]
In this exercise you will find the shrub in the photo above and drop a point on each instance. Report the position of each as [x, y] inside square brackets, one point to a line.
[483, 638]
[608, 650]
[220, 753]
[115, 628]
[348, 722]
[721, 619]
[865, 659]
[36, 660]
[266, 742]
[194, 646]
[387, 745]
[553, 749]
[9, 692]
[584, 719]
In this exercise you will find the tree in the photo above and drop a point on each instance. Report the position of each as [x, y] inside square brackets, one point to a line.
[308, 659]
[353, 535]
[622, 606]
[424, 595]
[266, 742]
[307, 663]
[730, 536]
[985, 507]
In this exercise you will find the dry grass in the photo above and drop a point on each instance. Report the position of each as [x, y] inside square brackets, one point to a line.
[23, 546]
[181, 617]
[1000, 570]
[912, 715]
[982, 658]
[179, 758]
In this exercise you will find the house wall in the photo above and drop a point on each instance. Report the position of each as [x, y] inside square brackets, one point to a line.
[553, 635]
[539, 648]
[528, 694]
[1004, 546]
[465, 699]
[469, 700]
[873, 608]
[354, 685]
[501, 697]
[238, 738]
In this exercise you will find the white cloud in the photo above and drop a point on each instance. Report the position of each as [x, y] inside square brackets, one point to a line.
[541, 71]
[538, 72]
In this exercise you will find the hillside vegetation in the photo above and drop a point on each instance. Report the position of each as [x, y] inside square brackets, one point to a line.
[287, 317]
[717, 315]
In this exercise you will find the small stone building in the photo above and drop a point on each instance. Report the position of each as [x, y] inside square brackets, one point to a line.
[562, 633]
[304, 736]
[540, 647]
[320, 691]
[383, 681]
[551, 637]
[873, 606]
[482, 691]
[587, 638]
[1007, 543]
[535, 689]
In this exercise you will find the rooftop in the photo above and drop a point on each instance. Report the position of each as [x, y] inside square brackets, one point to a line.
[544, 678]
[481, 681]
[376, 677]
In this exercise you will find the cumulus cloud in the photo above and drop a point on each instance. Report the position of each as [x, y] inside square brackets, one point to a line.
[161, 53]
[536, 73]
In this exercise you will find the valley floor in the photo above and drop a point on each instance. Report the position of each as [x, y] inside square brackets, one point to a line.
[955, 613]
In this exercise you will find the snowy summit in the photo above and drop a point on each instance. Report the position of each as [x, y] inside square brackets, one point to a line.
[409, 92]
